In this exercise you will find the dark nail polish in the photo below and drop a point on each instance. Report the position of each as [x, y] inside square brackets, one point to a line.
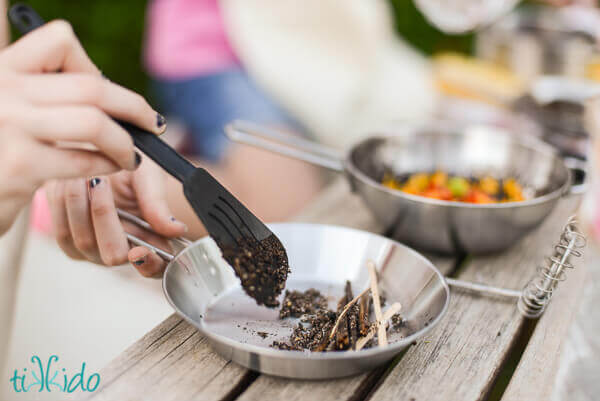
[94, 181]
[140, 261]
[138, 159]
[160, 120]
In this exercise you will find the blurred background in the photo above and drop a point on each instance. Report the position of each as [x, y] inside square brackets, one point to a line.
[332, 71]
[112, 32]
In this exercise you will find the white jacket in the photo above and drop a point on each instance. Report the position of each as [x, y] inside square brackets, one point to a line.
[336, 65]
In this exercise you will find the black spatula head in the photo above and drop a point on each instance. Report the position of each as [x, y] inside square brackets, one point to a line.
[256, 254]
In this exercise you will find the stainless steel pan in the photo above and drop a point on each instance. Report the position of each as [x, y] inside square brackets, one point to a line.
[429, 224]
[208, 295]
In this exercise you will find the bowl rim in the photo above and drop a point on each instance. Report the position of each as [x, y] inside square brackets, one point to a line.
[530, 143]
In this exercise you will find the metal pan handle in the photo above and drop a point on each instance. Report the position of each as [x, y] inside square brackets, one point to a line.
[285, 144]
[579, 176]
[166, 256]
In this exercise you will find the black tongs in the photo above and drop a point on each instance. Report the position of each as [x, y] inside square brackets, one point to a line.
[226, 219]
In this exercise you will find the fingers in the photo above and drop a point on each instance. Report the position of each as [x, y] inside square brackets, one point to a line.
[84, 124]
[86, 224]
[118, 102]
[80, 220]
[55, 193]
[52, 47]
[111, 239]
[47, 162]
[150, 187]
[146, 262]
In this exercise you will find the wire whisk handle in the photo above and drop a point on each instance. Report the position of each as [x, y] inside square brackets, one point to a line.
[537, 293]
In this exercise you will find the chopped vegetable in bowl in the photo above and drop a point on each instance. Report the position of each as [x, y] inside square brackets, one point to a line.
[441, 186]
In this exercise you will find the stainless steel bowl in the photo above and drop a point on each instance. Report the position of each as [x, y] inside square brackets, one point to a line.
[428, 224]
[209, 296]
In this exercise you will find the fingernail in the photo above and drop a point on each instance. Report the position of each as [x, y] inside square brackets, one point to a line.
[94, 181]
[138, 159]
[174, 220]
[140, 261]
[161, 122]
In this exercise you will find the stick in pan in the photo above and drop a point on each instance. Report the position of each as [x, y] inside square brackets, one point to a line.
[381, 335]
[363, 314]
[344, 311]
[395, 308]
[351, 318]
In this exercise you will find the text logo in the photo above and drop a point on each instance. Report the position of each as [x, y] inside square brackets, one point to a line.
[50, 377]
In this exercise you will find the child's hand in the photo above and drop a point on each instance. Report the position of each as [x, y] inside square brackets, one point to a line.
[56, 117]
[85, 221]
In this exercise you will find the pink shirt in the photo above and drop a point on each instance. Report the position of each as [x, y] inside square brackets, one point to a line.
[186, 38]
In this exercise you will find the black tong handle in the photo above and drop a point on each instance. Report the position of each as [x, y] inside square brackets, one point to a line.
[26, 19]
[159, 151]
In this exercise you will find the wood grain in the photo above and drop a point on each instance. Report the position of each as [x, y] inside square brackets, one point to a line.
[539, 363]
[171, 362]
[337, 205]
[463, 355]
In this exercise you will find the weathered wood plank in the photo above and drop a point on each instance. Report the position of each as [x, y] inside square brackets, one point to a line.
[337, 205]
[171, 362]
[536, 373]
[464, 354]
[577, 377]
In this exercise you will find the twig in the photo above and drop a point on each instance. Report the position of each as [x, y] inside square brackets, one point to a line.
[341, 336]
[395, 308]
[381, 335]
[363, 314]
[344, 311]
[351, 318]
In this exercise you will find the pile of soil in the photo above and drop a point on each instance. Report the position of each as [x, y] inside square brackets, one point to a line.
[298, 303]
[262, 266]
[314, 331]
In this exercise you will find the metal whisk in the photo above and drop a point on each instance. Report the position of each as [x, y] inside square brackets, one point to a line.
[538, 292]
[536, 295]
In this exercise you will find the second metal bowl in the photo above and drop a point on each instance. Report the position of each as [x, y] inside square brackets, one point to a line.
[429, 224]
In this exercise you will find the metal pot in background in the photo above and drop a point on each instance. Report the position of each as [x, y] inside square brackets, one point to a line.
[552, 50]
[430, 224]
[557, 105]
[534, 41]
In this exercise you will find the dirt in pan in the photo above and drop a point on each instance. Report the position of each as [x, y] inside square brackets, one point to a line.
[298, 303]
[262, 266]
[321, 329]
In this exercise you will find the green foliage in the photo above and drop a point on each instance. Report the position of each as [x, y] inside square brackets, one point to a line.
[111, 31]
[414, 28]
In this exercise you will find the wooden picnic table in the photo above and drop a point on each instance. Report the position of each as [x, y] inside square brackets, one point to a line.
[483, 348]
